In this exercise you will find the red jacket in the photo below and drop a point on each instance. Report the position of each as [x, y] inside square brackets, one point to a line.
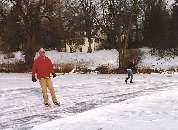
[42, 66]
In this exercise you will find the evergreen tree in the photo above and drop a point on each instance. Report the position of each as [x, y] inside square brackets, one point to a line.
[14, 33]
[155, 31]
[173, 37]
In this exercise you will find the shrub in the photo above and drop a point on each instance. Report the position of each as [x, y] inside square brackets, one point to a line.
[103, 69]
[9, 55]
[82, 69]
[19, 67]
[64, 68]
[148, 70]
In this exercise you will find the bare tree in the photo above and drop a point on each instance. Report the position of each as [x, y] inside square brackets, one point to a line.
[81, 17]
[155, 24]
[118, 20]
[3, 20]
[30, 15]
[88, 10]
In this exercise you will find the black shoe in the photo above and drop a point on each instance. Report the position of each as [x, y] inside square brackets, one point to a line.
[131, 82]
[126, 81]
[47, 104]
[57, 103]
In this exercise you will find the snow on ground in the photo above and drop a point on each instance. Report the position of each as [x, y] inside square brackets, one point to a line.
[101, 57]
[150, 101]
[104, 101]
[156, 62]
[158, 111]
[90, 60]
[110, 57]
[14, 58]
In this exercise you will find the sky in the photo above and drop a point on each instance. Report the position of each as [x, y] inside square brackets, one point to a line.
[170, 2]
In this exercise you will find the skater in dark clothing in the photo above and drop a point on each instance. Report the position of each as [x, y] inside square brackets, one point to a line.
[130, 72]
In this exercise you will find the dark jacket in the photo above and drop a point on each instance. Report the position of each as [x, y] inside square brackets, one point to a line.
[130, 65]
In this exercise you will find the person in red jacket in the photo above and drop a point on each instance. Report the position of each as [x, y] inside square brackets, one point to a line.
[43, 69]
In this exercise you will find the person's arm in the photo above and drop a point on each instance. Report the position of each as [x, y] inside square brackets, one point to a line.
[34, 70]
[51, 68]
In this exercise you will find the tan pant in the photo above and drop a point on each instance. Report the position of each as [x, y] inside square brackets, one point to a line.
[47, 84]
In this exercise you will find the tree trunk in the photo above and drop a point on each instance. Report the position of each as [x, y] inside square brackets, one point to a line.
[89, 47]
[123, 51]
[125, 55]
[121, 58]
[30, 51]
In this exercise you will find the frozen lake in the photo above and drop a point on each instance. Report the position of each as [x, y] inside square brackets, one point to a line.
[22, 105]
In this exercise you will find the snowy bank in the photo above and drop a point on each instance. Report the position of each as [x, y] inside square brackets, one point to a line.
[149, 61]
[12, 58]
[98, 58]
[90, 60]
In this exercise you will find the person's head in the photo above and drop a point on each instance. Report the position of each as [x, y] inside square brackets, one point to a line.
[42, 52]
